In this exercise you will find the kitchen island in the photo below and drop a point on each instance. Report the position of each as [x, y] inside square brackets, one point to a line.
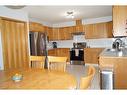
[117, 60]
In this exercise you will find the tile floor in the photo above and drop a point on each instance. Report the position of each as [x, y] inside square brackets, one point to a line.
[80, 70]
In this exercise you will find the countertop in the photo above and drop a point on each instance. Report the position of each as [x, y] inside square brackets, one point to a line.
[116, 53]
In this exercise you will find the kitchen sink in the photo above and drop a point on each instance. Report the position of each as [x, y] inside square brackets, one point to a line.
[111, 49]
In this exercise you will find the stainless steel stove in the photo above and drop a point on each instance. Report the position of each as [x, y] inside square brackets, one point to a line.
[77, 54]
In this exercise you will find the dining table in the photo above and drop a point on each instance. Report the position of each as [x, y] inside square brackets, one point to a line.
[37, 79]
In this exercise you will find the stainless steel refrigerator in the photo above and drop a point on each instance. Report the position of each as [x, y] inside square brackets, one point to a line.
[38, 44]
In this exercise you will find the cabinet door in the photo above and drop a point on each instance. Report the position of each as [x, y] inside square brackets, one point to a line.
[89, 31]
[91, 55]
[55, 33]
[15, 44]
[109, 29]
[61, 34]
[79, 28]
[36, 27]
[98, 30]
[65, 52]
[67, 33]
[49, 31]
[52, 52]
[120, 20]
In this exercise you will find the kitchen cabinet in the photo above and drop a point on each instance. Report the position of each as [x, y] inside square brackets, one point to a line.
[79, 28]
[120, 20]
[109, 29]
[64, 33]
[109, 59]
[61, 34]
[14, 44]
[60, 52]
[78, 22]
[91, 55]
[49, 32]
[67, 33]
[55, 34]
[36, 27]
[52, 52]
[98, 30]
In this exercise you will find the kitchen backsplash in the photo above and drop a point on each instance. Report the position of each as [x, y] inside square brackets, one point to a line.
[93, 43]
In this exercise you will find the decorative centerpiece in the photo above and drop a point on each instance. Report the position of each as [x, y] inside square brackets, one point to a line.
[17, 77]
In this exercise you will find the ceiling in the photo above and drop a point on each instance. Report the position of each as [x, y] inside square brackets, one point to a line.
[56, 14]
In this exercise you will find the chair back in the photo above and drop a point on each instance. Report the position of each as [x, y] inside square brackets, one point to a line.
[85, 82]
[57, 63]
[37, 61]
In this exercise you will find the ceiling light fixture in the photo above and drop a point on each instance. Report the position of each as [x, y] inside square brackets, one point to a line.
[70, 14]
[15, 6]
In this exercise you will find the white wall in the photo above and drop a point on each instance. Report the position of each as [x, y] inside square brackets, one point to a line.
[65, 24]
[97, 20]
[42, 22]
[93, 43]
[1, 56]
[14, 14]
[62, 24]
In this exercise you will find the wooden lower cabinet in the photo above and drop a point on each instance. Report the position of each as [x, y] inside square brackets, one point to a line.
[91, 55]
[119, 65]
[52, 52]
[60, 52]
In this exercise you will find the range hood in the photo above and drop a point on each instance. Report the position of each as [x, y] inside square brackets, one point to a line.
[78, 33]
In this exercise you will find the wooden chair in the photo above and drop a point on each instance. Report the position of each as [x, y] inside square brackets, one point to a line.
[57, 63]
[37, 61]
[85, 82]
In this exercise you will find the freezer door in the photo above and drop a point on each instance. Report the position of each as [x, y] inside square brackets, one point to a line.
[37, 43]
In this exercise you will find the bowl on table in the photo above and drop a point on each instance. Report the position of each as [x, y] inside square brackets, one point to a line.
[17, 77]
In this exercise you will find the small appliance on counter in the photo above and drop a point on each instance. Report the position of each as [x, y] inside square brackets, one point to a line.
[54, 44]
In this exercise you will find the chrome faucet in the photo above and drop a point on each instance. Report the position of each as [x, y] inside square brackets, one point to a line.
[118, 44]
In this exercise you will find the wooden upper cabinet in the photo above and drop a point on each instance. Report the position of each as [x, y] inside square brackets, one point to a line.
[67, 33]
[49, 32]
[78, 22]
[55, 33]
[120, 20]
[36, 27]
[109, 28]
[64, 33]
[98, 30]
[61, 34]
[79, 28]
[89, 31]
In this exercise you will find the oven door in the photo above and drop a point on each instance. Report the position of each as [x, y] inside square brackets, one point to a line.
[77, 58]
